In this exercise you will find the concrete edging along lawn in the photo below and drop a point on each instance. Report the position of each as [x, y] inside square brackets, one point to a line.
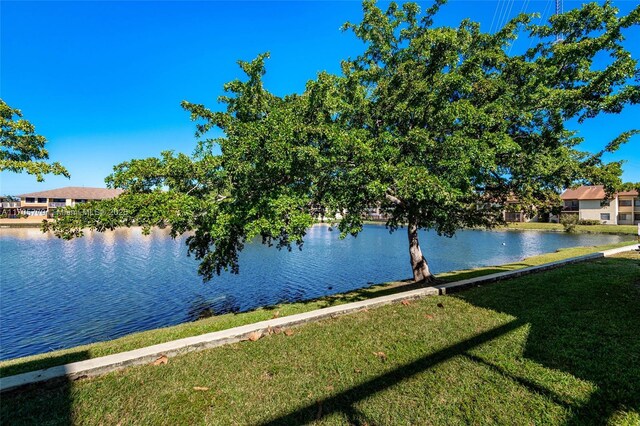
[149, 354]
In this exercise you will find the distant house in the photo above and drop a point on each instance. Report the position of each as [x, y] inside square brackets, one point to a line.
[9, 207]
[590, 203]
[514, 212]
[44, 203]
[376, 214]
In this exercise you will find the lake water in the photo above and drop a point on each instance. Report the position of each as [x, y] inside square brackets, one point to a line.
[58, 294]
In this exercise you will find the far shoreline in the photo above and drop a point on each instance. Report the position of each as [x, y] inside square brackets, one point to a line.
[631, 230]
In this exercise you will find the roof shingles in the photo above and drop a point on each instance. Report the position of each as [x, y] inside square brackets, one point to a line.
[595, 192]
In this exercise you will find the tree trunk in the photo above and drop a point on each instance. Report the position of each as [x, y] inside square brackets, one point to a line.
[419, 264]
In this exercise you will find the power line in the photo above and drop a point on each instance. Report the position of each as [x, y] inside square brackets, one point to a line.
[495, 12]
[523, 9]
[505, 14]
[542, 15]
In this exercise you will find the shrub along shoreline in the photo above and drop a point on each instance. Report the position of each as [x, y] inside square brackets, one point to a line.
[557, 227]
[222, 322]
[552, 227]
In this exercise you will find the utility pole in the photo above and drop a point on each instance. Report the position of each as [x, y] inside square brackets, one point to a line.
[558, 12]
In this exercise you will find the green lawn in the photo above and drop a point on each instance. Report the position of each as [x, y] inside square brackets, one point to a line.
[544, 226]
[559, 347]
[592, 229]
[221, 322]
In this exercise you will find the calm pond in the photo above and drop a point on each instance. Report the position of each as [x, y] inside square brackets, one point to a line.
[58, 294]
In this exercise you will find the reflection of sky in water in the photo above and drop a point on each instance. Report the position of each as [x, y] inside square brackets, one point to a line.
[56, 293]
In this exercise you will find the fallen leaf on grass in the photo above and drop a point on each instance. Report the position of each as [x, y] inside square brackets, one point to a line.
[276, 314]
[405, 302]
[381, 355]
[288, 332]
[358, 370]
[200, 388]
[162, 360]
[428, 316]
[254, 336]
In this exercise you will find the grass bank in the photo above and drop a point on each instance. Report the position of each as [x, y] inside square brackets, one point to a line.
[588, 229]
[559, 347]
[556, 227]
[222, 322]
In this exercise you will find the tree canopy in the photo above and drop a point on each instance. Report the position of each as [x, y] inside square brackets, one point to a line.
[21, 149]
[437, 126]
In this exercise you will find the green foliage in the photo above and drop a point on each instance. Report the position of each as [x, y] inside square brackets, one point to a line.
[631, 186]
[569, 222]
[21, 149]
[438, 126]
[588, 222]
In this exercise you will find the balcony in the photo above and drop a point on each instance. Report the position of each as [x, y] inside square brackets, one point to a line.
[10, 204]
[57, 204]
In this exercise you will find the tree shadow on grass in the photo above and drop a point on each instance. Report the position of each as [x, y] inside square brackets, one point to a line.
[54, 401]
[37, 364]
[344, 402]
[584, 320]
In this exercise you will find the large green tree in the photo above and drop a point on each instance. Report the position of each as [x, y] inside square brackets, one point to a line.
[21, 148]
[438, 126]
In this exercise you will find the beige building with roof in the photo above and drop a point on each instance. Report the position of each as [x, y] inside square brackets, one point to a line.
[590, 203]
[44, 203]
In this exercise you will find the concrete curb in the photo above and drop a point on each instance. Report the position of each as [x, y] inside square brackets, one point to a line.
[461, 285]
[102, 365]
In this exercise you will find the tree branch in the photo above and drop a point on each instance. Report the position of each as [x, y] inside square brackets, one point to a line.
[395, 200]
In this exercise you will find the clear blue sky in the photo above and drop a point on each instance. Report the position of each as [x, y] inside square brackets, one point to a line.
[103, 81]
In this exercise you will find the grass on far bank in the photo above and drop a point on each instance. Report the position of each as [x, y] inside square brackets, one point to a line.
[559, 347]
[222, 322]
[588, 229]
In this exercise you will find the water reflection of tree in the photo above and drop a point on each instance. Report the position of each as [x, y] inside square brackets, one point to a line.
[205, 307]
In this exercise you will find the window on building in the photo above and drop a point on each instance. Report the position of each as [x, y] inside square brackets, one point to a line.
[42, 200]
[605, 216]
[59, 200]
[625, 203]
[636, 216]
[30, 200]
[624, 216]
[512, 217]
[637, 202]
